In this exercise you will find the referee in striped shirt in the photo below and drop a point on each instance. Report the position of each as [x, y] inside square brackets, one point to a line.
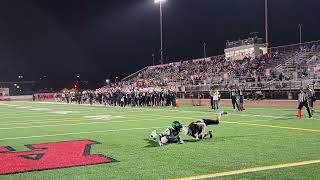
[303, 102]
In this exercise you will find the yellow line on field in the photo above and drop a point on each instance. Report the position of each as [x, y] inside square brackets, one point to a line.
[253, 124]
[272, 126]
[250, 170]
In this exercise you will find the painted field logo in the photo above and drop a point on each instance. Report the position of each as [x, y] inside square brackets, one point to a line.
[49, 156]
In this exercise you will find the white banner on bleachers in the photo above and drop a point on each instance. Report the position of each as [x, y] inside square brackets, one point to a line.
[317, 70]
[16, 98]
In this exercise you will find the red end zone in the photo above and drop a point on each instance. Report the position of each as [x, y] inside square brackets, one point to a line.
[49, 156]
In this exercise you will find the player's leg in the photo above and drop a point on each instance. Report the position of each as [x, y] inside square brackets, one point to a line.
[211, 102]
[311, 103]
[163, 139]
[208, 122]
[238, 103]
[233, 99]
[203, 133]
[215, 104]
[308, 109]
[299, 112]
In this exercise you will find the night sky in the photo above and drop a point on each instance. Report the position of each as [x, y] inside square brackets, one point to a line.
[98, 39]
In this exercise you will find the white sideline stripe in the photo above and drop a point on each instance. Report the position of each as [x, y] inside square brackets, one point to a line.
[250, 170]
[231, 114]
[162, 109]
[83, 123]
[44, 122]
[157, 117]
[59, 125]
[23, 107]
[154, 109]
[40, 120]
[77, 133]
[71, 118]
[36, 115]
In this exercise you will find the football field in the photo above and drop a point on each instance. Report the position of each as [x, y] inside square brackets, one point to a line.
[260, 143]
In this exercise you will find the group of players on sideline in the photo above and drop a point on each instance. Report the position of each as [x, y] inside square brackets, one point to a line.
[123, 97]
[157, 96]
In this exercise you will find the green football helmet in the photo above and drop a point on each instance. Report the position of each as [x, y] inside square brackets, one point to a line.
[176, 125]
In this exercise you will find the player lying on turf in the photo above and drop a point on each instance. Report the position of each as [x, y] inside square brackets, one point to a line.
[198, 128]
[170, 135]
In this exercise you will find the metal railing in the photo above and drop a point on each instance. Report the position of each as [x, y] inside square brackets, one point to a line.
[135, 74]
[293, 47]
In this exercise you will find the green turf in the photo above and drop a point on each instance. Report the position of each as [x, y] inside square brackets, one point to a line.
[234, 146]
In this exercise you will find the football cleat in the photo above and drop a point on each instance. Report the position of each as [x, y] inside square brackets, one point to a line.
[210, 134]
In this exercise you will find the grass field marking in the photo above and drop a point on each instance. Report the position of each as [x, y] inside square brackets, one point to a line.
[70, 119]
[172, 110]
[272, 126]
[75, 124]
[259, 115]
[51, 120]
[44, 122]
[36, 121]
[232, 114]
[83, 123]
[11, 105]
[35, 116]
[250, 170]
[201, 107]
[78, 133]
[23, 107]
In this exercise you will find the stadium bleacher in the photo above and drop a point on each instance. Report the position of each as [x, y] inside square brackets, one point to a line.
[293, 63]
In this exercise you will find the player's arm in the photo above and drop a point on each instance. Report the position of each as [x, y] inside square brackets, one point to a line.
[196, 136]
[180, 141]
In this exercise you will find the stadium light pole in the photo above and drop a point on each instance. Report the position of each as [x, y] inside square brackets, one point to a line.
[266, 23]
[300, 31]
[205, 50]
[160, 2]
[153, 59]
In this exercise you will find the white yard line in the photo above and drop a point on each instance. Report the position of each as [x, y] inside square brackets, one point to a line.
[84, 123]
[62, 125]
[8, 123]
[162, 109]
[77, 133]
[38, 120]
[45, 121]
[42, 115]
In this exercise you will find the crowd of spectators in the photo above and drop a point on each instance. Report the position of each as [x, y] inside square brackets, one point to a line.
[218, 70]
[203, 71]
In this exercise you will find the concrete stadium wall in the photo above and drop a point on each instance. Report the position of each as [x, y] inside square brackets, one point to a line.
[261, 103]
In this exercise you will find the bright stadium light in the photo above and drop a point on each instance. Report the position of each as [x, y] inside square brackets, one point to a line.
[161, 29]
[159, 1]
